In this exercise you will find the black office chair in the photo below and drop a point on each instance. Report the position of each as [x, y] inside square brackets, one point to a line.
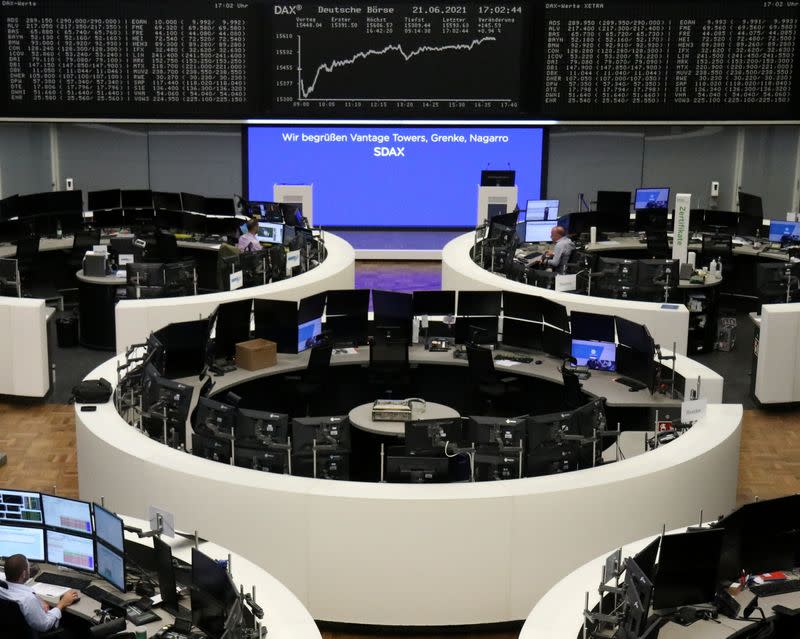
[27, 255]
[167, 247]
[13, 624]
[573, 396]
[490, 388]
[389, 368]
[658, 245]
[83, 241]
[312, 381]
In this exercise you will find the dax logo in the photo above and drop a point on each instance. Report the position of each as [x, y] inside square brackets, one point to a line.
[287, 10]
[389, 151]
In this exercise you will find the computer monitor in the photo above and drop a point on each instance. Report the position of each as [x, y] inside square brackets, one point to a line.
[592, 326]
[194, 203]
[72, 551]
[784, 231]
[220, 206]
[393, 309]
[498, 178]
[209, 591]
[111, 566]
[687, 569]
[22, 540]
[137, 199]
[652, 198]
[476, 330]
[19, 506]
[185, 347]
[554, 314]
[522, 306]
[308, 334]
[638, 595]
[108, 528]
[167, 586]
[179, 278]
[556, 342]
[144, 274]
[276, 320]
[505, 432]
[233, 326]
[654, 276]
[637, 365]
[751, 205]
[522, 334]
[436, 303]
[108, 199]
[270, 233]
[211, 448]
[330, 432]
[67, 514]
[646, 558]
[546, 429]
[428, 436]
[164, 201]
[618, 277]
[416, 469]
[214, 419]
[541, 210]
[478, 303]
[261, 459]
[613, 202]
[599, 356]
[633, 335]
[537, 232]
[347, 302]
[258, 428]
[651, 221]
[722, 220]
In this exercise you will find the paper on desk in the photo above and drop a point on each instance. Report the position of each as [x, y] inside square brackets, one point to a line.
[507, 362]
[122, 273]
[49, 590]
[345, 351]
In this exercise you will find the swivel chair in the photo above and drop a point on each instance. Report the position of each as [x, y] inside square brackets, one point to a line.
[27, 252]
[83, 241]
[312, 381]
[389, 368]
[485, 382]
[13, 624]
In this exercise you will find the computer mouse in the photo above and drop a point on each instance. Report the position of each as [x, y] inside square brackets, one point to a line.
[537, 362]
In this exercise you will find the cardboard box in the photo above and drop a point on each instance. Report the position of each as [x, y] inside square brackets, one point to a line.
[256, 354]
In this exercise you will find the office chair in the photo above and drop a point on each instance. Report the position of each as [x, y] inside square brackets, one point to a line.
[27, 254]
[313, 379]
[13, 624]
[389, 368]
[167, 247]
[658, 245]
[83, 241]
[573, 397]
[488, 386]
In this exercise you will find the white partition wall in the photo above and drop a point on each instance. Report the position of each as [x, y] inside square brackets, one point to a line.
[668, 324]
[302, 194]
[491, 195]
[136, 319]
[778, 370]
[23, 347]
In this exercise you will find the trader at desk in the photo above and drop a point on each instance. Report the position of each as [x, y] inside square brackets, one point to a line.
[39, 616]
[249, 240]
[558, 257]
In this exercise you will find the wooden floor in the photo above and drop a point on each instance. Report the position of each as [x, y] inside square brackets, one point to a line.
[40, 444]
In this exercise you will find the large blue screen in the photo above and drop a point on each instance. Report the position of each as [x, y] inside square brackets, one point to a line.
[389, 176]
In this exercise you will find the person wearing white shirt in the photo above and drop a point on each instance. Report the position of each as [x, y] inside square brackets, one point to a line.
[38, 614]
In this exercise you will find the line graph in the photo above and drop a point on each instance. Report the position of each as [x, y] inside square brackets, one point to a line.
[399, 58]
[303, 93]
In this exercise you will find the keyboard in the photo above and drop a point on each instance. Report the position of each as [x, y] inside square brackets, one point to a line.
[98, 593]
[772, 588]
[63, 580]
[522, 359]
[630, 383]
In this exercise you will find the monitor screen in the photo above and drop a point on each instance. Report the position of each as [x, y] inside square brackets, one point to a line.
[522, 306]
[438, 177]
[72, 551]
[652, 198]
[69, 514]
[109, 528]
[270, 233]
[435, 303]
[16, 540]
[478, 303]
[166, 576]
[111, 567]
[779, 230]
[307, 334]
[751, 205]
[599, 356]
[687, 569]
[592, 326]
[538, 231]
[613, 202]
[20, 506]
[540, 210]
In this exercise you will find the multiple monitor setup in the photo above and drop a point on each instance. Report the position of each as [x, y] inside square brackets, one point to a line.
[652, 280]
[685, 576]
[90, 539]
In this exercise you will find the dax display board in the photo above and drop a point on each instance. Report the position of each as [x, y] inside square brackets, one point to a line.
[610, 60]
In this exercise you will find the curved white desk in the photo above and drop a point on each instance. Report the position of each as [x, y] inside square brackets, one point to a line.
[413, 555]
[136, 319]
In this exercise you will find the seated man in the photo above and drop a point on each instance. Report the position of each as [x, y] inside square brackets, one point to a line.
[249, 241]
[558, 257]
[38, 614]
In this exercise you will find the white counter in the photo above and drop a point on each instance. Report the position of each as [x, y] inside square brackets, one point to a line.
[414, 555]
[25, 370]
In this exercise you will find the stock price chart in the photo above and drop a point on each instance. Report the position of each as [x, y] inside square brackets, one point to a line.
[399, 58]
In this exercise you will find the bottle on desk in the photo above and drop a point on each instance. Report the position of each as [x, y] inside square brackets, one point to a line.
[59, 231]
[712, 268]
